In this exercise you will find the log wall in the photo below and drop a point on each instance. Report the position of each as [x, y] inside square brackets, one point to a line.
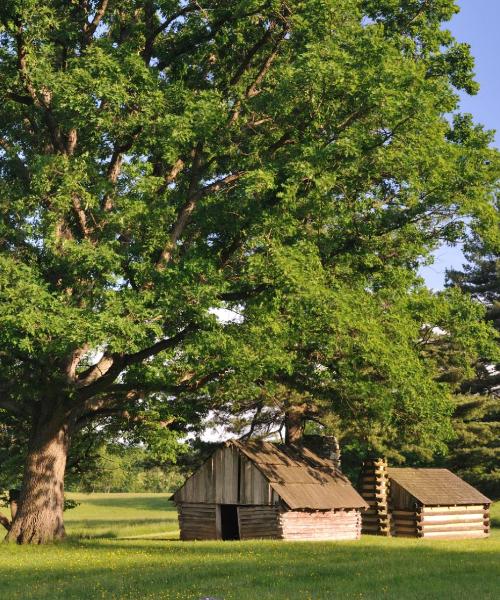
[197, 521]
[259, 522]
[453, 522]
[200, 522]
[442, 522]
[321, 525]
[404, 523]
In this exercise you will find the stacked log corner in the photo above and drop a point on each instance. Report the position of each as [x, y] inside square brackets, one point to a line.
[374, 488]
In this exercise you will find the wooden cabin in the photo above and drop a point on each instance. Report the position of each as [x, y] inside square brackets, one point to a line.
[263, 490]
[423, 503]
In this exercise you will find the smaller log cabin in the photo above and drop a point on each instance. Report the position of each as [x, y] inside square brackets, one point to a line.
[263, 490]
[423, 503]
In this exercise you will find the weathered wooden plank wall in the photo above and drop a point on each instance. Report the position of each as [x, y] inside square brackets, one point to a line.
[259, 522]
[227, 478]
[401, 499]
[197, 521]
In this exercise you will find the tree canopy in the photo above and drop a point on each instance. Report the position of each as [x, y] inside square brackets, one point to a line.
[292, 161]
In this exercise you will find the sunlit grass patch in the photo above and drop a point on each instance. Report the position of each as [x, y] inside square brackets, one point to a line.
[136, 568]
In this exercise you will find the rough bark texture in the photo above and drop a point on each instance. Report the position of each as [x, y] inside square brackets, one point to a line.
[294, 425]
[39, 516]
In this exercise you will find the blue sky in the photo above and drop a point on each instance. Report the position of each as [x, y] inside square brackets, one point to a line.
[477, 24]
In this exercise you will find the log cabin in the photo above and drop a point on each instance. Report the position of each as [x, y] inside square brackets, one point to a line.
[422, 503]
[264, 490]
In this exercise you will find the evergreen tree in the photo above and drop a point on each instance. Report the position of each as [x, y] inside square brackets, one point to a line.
[475, 453]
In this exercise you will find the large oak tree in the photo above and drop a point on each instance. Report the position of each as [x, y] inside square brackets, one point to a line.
[160, 159]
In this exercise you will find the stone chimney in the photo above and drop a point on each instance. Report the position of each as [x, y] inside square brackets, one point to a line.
[326, 446]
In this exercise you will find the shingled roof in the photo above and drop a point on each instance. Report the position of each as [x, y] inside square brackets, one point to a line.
[436, 486]
[302, 479]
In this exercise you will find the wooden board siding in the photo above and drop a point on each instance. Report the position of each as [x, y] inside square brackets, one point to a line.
[254, 487]
[400, 499]
[227, 477]
[259, 522]
[454, 522]
[321, 525]
[199, 488]
[197, 521]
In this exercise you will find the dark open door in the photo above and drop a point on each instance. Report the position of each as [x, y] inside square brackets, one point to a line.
[229, 522]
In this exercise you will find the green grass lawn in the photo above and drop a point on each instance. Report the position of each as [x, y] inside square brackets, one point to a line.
[124, 546]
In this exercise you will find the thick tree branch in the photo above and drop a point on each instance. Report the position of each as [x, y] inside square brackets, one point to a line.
[80, 215]
[171, 176]
[42, 100]
[115, 165]
[71, 364]
[186, 211]
[19, 98]
[90, 28]
[160, 346]
[4, 521]
[99, 377]
[251, 53]
[252, 90]
[97, 371]
[151, 38]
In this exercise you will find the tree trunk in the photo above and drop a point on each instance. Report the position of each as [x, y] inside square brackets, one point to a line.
[39, 516]
[13, 501]
[294, 424]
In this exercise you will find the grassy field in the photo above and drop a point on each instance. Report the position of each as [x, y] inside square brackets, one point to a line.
[124, 546]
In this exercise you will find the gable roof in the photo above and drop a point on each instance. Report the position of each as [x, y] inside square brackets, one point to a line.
[300, 477]
[436, 486]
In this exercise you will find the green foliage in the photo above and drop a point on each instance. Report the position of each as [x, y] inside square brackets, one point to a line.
[293, 162]
[475, 452]
[122, 468]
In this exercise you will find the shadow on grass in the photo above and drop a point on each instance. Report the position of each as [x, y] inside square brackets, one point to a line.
[120, 528]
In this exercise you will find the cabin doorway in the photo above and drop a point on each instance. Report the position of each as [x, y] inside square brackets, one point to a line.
[229, 526]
